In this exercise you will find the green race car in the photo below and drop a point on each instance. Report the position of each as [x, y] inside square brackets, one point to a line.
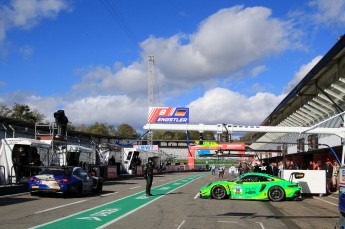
[258, 186]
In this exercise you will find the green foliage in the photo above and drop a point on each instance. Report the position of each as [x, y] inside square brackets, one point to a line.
[99, 128]
[126, 131]
[21, 111]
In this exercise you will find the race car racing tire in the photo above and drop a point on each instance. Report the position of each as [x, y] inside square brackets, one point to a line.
[218, 192]
[80, 189]
[33, 193]
[276, 194]
[99, 187]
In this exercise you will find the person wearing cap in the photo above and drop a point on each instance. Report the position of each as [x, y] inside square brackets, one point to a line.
[148, 174]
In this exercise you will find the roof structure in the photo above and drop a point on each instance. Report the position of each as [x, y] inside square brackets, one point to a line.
[318, 96]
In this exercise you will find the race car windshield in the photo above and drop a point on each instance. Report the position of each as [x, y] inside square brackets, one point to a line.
[56, 172]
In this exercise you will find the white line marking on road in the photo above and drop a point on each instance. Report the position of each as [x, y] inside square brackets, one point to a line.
[179, 226]
[161, 180]
[325, 201]
[227, 222]
[128, 213]
[196, 196]
[61, 206]
[135, 187]
[108, 194]
[262, 226]
[336, 198]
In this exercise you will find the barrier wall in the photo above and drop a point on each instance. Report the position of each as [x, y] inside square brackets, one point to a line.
[314, 181]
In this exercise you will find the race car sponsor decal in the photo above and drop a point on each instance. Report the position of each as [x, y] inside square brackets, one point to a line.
[168, 115]
[238, 189]
[250, 191]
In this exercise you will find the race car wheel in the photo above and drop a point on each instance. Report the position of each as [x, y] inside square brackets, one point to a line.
[33, 193]
[99, 187]
[80, 189]
[218, 192]
[276, 194]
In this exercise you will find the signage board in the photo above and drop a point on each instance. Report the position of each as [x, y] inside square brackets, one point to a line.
[168, 115]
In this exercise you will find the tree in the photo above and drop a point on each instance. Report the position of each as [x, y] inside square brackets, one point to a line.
[21, 111]
[100, 128]
[5, 111]
[126, 131]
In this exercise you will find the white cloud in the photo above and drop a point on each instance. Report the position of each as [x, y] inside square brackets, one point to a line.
[225, 43]
[257, 70]
[329, 11]
[303, 71]
[113, 110]
[221, 105]
[27, 14]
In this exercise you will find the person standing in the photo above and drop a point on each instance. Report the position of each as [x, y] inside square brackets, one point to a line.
[336, 169]
[240, 169]
[19, 160]
[329, 173]
[280, 169]
[213, 169]
[232, 170]
[273, 169]
[245, 168]
[148, 174]
[221, 171]
[311, 165]
[111, 160]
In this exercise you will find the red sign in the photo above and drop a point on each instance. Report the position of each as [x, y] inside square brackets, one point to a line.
[112, 171]
[232, 146]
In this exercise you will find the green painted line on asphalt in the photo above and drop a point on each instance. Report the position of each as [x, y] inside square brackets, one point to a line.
[106, 214]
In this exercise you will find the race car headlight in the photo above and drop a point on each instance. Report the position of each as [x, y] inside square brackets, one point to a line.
[293, 186]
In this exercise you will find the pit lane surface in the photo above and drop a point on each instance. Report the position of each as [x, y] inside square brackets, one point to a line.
[177, 207]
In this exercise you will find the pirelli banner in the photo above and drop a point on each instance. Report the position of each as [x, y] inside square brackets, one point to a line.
[168, 115]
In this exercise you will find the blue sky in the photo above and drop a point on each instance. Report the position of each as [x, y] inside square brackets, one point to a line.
[229, 61]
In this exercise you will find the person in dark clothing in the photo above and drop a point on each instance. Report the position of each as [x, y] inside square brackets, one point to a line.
[328, 167]
[148, 174]
[256, 168]
[111, 161]
[19, 160]
[273, 169]
[245, 168]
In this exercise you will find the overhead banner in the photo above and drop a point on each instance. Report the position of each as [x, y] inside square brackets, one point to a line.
[168, 115]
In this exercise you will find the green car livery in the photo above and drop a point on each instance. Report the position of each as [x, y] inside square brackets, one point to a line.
[258, 186]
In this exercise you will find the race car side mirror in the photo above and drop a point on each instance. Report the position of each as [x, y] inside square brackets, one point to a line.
[298, 175]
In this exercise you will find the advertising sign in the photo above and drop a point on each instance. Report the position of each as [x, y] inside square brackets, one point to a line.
[146, 147]
[168, 115]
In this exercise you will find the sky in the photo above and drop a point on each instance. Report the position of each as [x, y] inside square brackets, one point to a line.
[228, 61]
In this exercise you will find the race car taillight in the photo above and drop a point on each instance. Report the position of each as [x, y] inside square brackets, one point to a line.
[64, 180]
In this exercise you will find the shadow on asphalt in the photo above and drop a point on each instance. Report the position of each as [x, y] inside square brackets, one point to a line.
[253, 215]
[11, 201]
